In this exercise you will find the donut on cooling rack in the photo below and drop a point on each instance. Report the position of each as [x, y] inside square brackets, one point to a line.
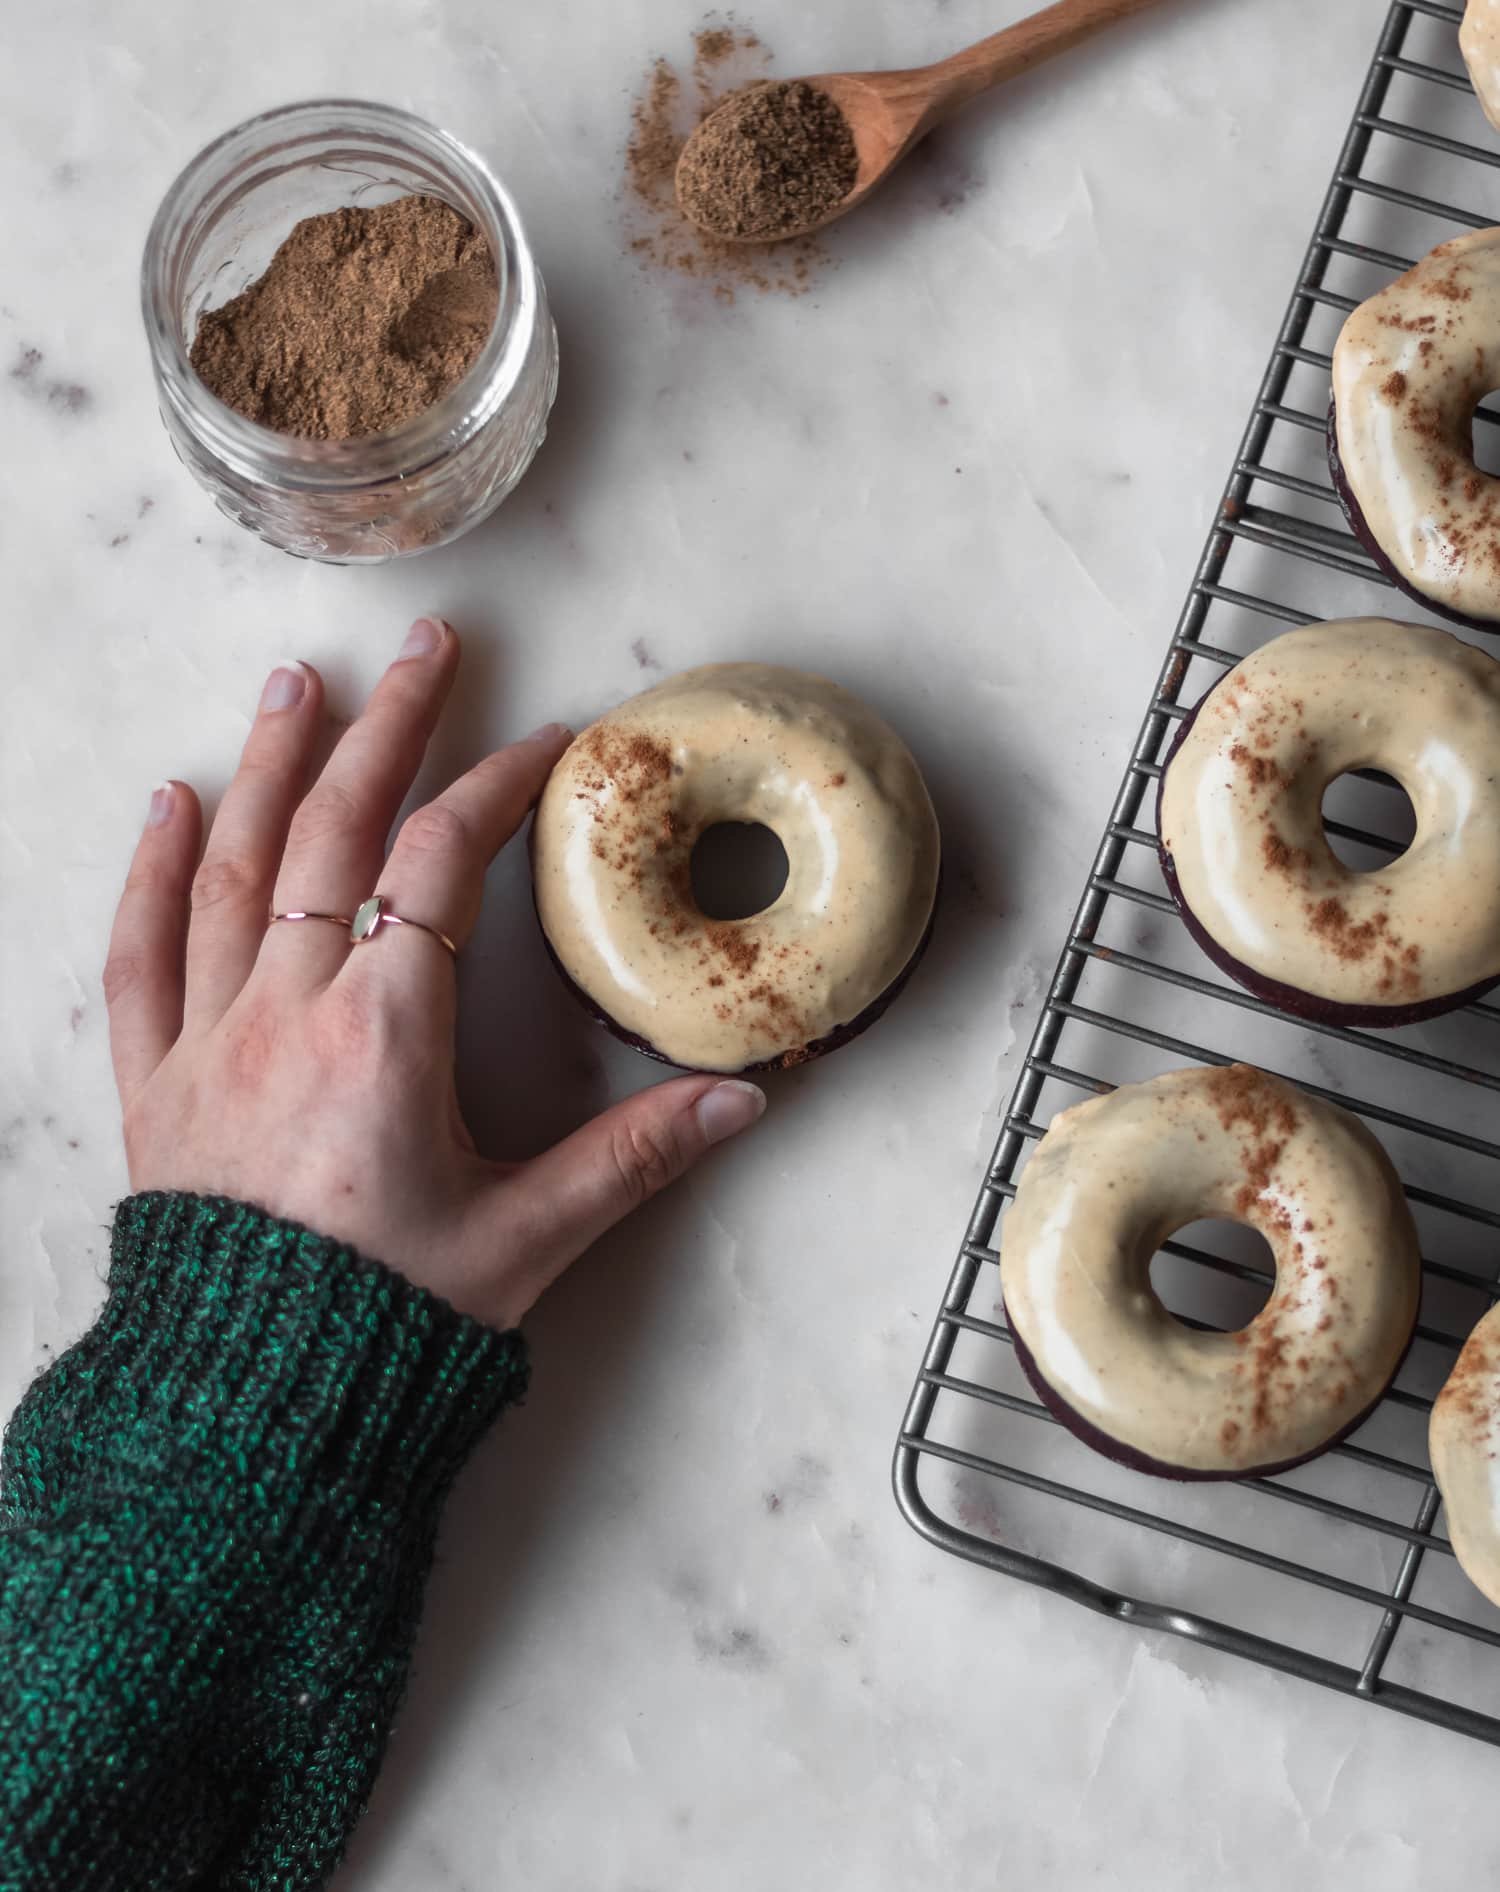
[1113, 1178]
[1479, 42]
[739, 742]
[1241, 832]
[1463, 1440]
[1409, 368]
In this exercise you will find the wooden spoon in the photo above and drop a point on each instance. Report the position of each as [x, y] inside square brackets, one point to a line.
[889, 111]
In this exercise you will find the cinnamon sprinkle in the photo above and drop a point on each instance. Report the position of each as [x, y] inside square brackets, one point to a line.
[1246, 1099]
[1280, 856]
[1449, 288]
[741, 953]
[1351, 942]
[1266, 1361]
[1260, 768]
[1242, 1094]
[1468, 1391]
[632, 764]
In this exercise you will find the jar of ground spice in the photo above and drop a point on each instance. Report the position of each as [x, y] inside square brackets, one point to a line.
[350, 335]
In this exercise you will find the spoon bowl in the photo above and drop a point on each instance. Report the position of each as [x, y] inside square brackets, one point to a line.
[888, 112]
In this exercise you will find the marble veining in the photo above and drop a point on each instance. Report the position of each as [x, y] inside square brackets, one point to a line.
[679, 1637]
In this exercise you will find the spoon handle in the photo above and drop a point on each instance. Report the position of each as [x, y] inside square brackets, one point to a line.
[1018, 48]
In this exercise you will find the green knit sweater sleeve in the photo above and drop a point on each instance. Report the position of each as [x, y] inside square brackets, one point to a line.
[217, 1514]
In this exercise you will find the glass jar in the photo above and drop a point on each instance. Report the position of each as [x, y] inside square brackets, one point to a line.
[344, 501]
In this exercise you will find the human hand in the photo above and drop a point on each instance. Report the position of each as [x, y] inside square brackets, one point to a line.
[285, 1067]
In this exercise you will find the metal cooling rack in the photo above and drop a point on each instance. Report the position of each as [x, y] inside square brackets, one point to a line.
[1339, 1571]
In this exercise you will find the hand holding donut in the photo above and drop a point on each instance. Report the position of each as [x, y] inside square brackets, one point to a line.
[288, 1066]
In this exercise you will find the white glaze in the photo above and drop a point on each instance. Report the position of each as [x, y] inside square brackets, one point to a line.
[1410, 366]
[1463, 1438]
[1479, 42]
[1114, 1177]
[1241, 812]
[723, 743]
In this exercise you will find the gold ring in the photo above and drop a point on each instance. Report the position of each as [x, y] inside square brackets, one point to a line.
[373, 913]
[333, 919]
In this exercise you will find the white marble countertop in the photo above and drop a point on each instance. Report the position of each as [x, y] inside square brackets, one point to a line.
[679, 1636]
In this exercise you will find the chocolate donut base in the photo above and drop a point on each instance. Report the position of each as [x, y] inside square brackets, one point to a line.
[786, 1060]
[1111, 1448]
[1358, 525]
[1290, 998]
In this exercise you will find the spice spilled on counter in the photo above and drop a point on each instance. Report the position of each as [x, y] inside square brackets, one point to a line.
[671, 104]
[362, 320]
[771, 159]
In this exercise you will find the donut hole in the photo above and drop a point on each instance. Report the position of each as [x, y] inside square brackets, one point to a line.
[1216, 1272]
[1368, 820]
[738, 869]
[1485, 444]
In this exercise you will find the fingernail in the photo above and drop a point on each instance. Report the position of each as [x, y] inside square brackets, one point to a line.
[729, 1108]
[550, 732]
[422, 639]
[285, 687]
[162, 797]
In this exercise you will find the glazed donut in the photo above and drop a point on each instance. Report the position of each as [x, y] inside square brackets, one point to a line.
[1479, 42]
[1113, 1178]
[1241, 832]
[1409, 368]
[739, 742]
[1463, 1441]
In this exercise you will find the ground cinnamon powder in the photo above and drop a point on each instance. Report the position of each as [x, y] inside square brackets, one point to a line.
[773, 158]
[671, 102]
[362, 320]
